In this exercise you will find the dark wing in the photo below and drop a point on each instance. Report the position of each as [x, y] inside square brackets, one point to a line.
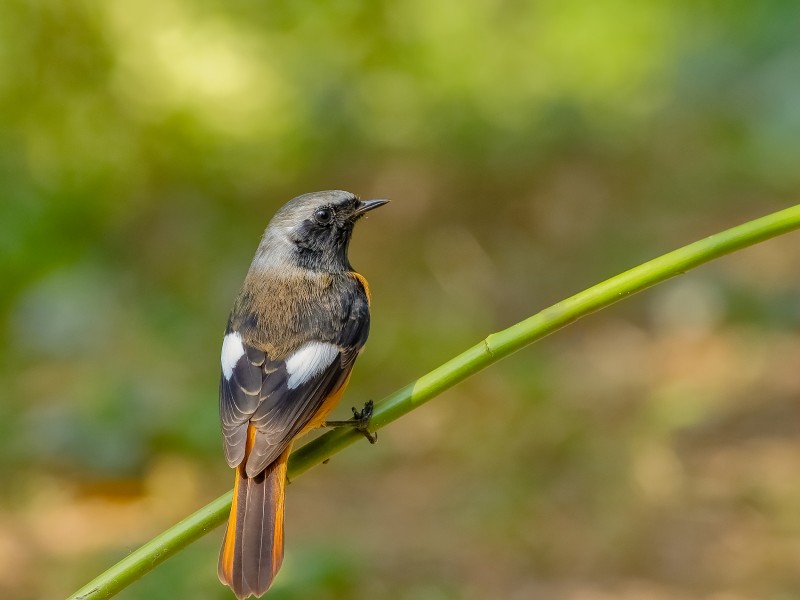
[239, 393]
[280, 397]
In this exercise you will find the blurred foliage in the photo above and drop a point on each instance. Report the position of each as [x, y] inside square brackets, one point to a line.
[530, 149]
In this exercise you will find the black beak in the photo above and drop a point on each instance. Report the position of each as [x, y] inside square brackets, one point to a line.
[368, 205]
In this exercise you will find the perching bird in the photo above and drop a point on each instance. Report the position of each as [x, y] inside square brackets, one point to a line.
[295, 330]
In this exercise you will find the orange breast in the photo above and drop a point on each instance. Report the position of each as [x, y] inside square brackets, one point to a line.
[318, 420]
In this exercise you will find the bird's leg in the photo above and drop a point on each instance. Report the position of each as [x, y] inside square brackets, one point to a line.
[359, 422]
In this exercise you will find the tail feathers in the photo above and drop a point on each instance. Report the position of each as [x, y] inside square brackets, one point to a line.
[252, 551]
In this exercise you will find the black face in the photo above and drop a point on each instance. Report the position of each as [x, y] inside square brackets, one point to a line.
[323, 237]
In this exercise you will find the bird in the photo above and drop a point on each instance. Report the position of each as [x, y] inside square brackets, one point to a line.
[296, 328]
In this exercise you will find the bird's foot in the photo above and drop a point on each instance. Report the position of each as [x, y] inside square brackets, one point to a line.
[359, 422]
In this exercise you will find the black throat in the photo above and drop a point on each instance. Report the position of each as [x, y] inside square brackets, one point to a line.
[323, 249]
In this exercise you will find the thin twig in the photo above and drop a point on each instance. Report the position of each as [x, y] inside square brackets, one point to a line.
[491, 349]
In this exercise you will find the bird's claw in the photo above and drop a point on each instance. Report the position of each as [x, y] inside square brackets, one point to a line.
[359, 422]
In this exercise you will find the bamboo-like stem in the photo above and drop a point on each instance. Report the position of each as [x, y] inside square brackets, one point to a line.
[491, 349]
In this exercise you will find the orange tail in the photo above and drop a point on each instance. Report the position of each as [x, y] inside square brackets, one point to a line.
[252, 551]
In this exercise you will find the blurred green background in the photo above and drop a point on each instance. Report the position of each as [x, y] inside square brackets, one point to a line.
[530, 149]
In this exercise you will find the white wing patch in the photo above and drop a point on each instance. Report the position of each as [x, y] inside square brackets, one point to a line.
[232, 351]
[312, 358]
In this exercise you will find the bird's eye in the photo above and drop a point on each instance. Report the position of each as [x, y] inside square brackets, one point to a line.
[323, 216]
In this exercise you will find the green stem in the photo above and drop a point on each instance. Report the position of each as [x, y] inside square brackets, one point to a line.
[488, 351]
